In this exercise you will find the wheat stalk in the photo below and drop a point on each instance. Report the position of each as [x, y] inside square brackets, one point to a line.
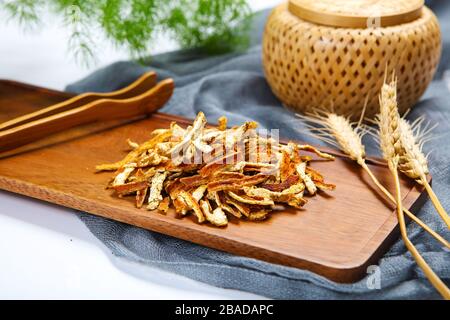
[339, 131]
[414, 164]
[391, 139]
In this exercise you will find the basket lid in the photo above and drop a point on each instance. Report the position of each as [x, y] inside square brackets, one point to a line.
[357, 13]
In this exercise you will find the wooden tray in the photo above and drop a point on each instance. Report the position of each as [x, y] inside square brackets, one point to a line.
[337, 235]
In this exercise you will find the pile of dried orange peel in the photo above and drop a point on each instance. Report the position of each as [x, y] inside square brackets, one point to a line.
[217, 173]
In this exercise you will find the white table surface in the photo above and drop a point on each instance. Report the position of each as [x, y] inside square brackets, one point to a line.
[46, 251]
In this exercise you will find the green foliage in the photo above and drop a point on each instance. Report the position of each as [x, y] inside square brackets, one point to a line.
[132, 23]
[26, 12]
[219, 25]
[80, 42]
[214, 25]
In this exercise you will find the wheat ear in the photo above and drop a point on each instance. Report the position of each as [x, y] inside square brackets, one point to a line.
[348, 138]
[388, 123]
[390, 143]
[414, 164]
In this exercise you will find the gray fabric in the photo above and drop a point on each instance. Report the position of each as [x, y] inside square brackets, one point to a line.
[234, 85]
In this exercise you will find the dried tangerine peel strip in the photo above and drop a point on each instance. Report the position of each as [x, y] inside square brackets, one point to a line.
[155, 191]
[130, 187]
[222, 123]
[310, 186]
[319, 153]
[220, 201]
[141, 195]
[133, 155]
[216, 217]
[192, 205]
[251, 200]
[164, 205]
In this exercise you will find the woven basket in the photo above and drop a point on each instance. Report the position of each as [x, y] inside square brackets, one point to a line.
[339, 57]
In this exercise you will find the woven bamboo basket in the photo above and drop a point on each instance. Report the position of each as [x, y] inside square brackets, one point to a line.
[335, 54]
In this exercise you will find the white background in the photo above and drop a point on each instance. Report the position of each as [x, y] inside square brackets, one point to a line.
[45, 251]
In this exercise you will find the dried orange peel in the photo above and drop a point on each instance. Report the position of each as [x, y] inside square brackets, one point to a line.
[216, 173]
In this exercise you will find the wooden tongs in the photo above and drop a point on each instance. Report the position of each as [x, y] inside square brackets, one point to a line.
[142, 97]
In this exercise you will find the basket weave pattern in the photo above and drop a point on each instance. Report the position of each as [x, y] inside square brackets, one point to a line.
[309, 65]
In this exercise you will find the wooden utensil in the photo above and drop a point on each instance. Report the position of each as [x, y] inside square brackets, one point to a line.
[141, 85]
[99, 110]
[334, 235]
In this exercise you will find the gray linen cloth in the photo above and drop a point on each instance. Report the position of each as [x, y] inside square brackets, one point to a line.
[234, 85]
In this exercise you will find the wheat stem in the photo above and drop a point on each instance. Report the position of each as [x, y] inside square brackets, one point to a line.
[429, 273]
[408, 213]
[435, 201]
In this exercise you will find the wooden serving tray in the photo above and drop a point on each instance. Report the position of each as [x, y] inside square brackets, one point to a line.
[337, 234]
